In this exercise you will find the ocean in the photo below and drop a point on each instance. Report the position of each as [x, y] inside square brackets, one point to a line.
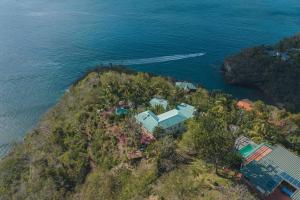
[46, 45]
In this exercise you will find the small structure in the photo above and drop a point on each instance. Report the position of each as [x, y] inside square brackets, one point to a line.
[171, 121]
[241, 142]
[245, 104]
[284, 56]
[273, 171]
[120, 111]
[187, 86]
[159, 102]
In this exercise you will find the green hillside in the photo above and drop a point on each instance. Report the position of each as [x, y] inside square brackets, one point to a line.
[81, 149]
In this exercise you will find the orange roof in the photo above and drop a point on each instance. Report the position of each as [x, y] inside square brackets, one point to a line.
[245, 104]
[259, 154]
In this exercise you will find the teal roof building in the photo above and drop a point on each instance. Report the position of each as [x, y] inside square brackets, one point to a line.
[186, 85]
[159, 102]
[272, 170]
[166, 120]
[121, 111]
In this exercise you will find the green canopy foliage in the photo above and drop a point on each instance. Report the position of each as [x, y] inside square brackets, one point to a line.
[80, 149]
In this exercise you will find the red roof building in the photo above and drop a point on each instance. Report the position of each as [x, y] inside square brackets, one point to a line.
[245, 105]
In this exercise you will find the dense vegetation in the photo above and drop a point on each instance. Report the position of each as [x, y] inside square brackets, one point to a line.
[275, 70]
[80, 149]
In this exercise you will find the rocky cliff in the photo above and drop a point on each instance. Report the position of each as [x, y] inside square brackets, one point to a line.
[275, 70]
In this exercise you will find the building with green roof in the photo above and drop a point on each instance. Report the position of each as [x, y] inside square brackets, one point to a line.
[187, 86]
[159, 102]
[148, 120]
[272, 170]
[171, 121]
[121, 111]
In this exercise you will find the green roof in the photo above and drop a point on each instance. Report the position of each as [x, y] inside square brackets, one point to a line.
[148, 119]
[267, 173]
[186, 110]
[186, 85]
[121, 111]
[168, 119]
[159, 102]
[247, 150]
[250, 149]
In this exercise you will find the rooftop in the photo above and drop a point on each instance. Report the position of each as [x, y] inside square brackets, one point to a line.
[121, 111]
[185, 85]
[168, 119]
[296, 195]
[267, 172]
[241, 142]
[148, 119]
[159, 102]
[245, 104]
[186, 110]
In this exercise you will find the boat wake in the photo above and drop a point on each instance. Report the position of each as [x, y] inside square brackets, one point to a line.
[161, 59]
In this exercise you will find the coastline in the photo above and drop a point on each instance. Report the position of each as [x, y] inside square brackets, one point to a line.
[4, 150]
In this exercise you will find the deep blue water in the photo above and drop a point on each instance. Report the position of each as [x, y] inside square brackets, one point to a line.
[46, 45]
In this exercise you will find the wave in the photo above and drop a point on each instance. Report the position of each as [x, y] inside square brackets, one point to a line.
[161, 59]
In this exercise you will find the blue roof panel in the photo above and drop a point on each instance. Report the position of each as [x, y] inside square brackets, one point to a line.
[260, 176]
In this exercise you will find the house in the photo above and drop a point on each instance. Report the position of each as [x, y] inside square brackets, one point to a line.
[245, 104]
[273, 171]
[171, 121]
[159, 102]
[187, 86]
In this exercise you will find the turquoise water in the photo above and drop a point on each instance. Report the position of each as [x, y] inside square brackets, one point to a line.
[46, 45]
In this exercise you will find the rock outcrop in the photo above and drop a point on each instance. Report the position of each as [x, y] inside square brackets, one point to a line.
[274, 70]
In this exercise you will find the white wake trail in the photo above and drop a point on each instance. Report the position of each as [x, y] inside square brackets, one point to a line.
[161, 59]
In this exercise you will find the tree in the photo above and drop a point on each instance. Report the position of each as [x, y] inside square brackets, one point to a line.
[133, 132]
[158, 109]
[210, 138]
[159, 132]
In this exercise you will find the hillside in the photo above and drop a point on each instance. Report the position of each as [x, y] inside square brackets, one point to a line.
[275, 70]
[82, 150]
